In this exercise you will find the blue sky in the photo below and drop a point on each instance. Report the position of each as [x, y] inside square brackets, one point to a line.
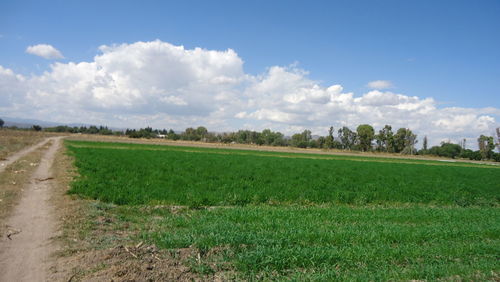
[444, 50]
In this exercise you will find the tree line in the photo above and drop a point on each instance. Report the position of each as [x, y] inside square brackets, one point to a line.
[486, 145]
[364, 138]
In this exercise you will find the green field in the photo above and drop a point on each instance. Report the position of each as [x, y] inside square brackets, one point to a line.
[272, 215]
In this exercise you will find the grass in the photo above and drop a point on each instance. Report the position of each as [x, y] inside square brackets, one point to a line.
[15, 140]
[250, 215]
[336, 242]
[215, 177]
[311, 155]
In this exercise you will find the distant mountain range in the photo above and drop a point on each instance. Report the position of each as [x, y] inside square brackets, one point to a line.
[24, 123]
[27, 123]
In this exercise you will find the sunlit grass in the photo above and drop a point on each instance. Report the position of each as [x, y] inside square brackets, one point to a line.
[204, 178]
[251, 215]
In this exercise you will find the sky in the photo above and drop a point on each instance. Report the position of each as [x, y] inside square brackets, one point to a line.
[432, 66]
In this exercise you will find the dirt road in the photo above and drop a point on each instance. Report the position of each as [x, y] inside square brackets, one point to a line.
[26, 247]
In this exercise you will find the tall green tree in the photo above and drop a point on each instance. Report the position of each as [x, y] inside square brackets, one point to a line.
[301, 140]
[172, 135]
[385, 139]
[404, 141]
[347, 138]
[329, 139]
[463, 143]
[365, 134]
[498, 139]
[486, 146]
[1, 123]
[424, 146]
[201, 133]
[267, 136]
[190, 134]
[321, 142]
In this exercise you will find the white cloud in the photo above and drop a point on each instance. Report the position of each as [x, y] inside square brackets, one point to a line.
[167, 86]
[380, 84]
[45, 51]
[12, 88]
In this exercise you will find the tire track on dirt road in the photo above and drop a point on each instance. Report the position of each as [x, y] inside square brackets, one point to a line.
[25, 250]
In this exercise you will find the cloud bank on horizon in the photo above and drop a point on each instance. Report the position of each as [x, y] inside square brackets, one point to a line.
[166, 86]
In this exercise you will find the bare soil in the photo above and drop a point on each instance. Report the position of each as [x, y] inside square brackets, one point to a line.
[13, 180]
[26, 248]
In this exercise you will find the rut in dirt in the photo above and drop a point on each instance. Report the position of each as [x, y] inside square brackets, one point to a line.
[26, 248]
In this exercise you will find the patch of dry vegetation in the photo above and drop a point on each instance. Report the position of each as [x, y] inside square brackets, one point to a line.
[15, 140]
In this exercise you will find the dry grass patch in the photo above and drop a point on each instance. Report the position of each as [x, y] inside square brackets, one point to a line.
[15, 140]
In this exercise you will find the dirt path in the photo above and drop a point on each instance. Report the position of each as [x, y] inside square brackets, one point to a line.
[26, 247]
[17, 155]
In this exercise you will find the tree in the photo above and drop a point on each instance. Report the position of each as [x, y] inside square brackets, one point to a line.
[321, 142]
[93, 129]
[279, 139]
[425, 144]
[498, 139]
[471, 155]
[190, 134]
[104, 130]
[36, 127]
[172, 135]
[297, 141]
[404, 141]
[329, 139]
[301, 140]
[463, 143]
[486, 146]
[271, 138]
[201, 133]
[1, 123]
[141, 133]
[365, 136]
[347, 137]
[451, 150]
[385, 139]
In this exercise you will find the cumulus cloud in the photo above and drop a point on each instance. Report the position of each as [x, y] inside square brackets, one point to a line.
[380, 84]
[45, 51]
[166, 86]
[12, 87]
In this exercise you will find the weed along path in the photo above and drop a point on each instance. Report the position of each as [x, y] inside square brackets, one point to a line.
[26, 247]
[4, 163]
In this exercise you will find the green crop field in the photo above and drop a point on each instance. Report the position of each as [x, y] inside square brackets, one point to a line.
[274, 215]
